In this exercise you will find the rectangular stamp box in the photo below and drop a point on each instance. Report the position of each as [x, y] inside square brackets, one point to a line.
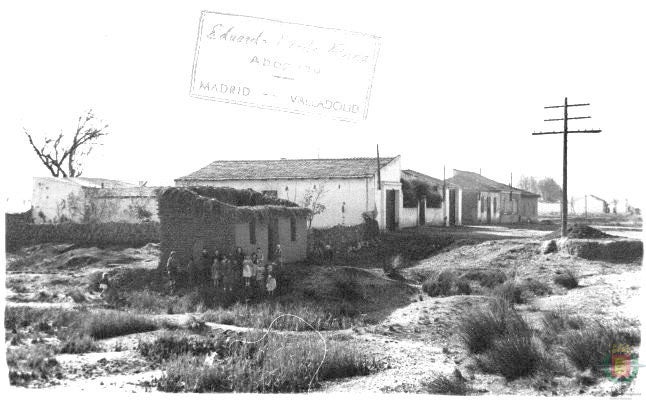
[284, 66]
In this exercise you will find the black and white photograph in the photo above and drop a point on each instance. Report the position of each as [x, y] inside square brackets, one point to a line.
[339, 198]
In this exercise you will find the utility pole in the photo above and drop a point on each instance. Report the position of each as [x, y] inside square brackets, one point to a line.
[565, 132]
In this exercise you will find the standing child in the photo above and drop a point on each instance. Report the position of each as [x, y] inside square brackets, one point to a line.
[260, 277]
[278, 256]
[216, 270]
[271, 285]
[247, 270]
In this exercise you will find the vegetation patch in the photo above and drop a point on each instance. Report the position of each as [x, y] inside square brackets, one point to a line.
[170, 345]
[36, 362]
[515, 355]
[106, 324]
[445, 283]
[589, 347]
[78, 345]
[488, 278]
[272, 365]
[479, 328]
[567, 279]
[443, 384]
[287, 316]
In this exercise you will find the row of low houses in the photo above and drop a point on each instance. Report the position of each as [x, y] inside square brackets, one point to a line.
[340, 191]
[262, 203]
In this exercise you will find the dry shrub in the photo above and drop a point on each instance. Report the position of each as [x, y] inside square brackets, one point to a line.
[589, 347]
[35, 362]
[445, 283]
[443, 384]
[515, 355]
[277, 364]
[78, 345]
[106, 324]
[479, 328]
[486, 278]
[567, 279]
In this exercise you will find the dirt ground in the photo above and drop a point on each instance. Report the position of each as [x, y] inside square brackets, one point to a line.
[415, 341]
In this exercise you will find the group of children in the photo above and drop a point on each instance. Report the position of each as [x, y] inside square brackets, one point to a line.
[230, 273]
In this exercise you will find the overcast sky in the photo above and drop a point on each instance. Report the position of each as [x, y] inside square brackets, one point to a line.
[461, 84]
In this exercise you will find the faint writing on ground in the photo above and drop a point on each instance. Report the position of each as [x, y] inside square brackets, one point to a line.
[284, 66]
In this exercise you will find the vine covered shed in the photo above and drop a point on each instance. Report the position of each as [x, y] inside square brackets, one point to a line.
[208, 218]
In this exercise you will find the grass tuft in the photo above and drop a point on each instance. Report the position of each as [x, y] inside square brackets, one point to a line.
[274, 365]
[78, 345]
[479, 328]
[589, 347]
[446, 385]
[567, 279]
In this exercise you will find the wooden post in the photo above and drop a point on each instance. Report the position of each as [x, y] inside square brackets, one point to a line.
[565, 131]
[564, 201]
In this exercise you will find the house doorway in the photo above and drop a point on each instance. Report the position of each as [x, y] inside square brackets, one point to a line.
[422, 212]
[272, 238]
[488, 210]
[451, 206]
[391, 202]
[198, 246]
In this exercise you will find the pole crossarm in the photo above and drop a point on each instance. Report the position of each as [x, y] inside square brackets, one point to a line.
[563, 119]
[569, 105]
[555, 133]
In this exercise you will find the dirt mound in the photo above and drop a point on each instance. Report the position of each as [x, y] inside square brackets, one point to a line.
[579, 231]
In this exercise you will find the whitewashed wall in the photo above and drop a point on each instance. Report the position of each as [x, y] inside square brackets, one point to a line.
[344, 199]
[409, 217]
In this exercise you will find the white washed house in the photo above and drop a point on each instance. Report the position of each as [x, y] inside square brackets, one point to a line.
[82, 199]
[347, 187]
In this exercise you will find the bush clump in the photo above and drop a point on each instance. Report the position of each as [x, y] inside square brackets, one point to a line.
[106, 324]
[280, 316]
[170, 345]
[589, 347]
[488, 278]
[443, 384]
[515, 356]
[277, 364]
[33, 363]
[78, 345]
[479, 328]
[567, 279]
[445, 283]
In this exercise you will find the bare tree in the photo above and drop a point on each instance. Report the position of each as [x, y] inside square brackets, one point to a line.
[66, 160]
[312, 200]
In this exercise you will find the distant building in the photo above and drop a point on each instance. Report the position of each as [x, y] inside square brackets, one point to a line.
[56, 200]
[200, 218]
[446, 212]
[487, 201]
[346, 187]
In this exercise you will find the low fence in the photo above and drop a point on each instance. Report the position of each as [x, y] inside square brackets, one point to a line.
[19, 233]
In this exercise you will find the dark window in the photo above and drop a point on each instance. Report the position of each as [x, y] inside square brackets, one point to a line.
[252, 231]
[270, 193]
[495, 204]
[292, 227]
[482, 201]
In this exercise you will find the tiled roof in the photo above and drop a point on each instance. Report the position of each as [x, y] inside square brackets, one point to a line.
[473, 181]
[92, 182]
[288, 169]
[410, 174]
